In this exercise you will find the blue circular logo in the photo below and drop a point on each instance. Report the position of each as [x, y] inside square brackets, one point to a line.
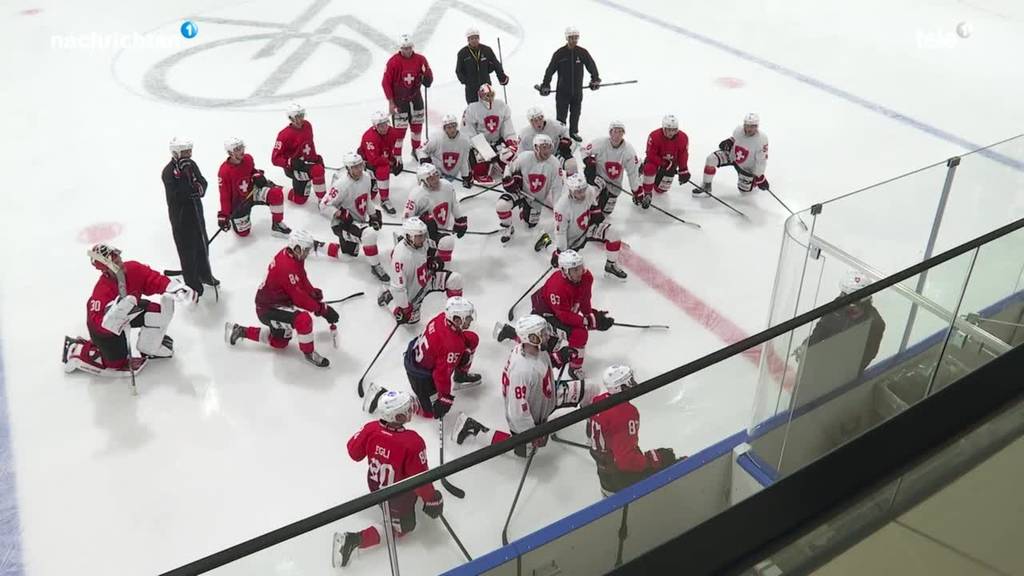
[189, 29]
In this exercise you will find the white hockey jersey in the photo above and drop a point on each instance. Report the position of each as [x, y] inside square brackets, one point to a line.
[542, 180]
[409, 272]
[750, 152]
[495, 123]
[527, 385]
[613, 163]
[572, 219]
[437, 205]
[348, 194]
[450, 155]
[553, 128]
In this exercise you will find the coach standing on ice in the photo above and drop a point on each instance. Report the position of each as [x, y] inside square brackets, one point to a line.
[185, 187]
[569, 61]
[474, 65]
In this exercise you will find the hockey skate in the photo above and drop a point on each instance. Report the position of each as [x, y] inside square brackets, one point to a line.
[378, 272]
[280, 229]
[463, 380]
[506, 233]
[384, 298]
[543, 242]
[233, 333]
[317, 360]
[503, 331]
[344, 545]
[388, 207]
[373, 393]
[699, 191]
[576, 137]
[613, 269]
[466, 427]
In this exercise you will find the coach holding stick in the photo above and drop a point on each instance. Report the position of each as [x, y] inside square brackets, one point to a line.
[474, 65]
[569, 61]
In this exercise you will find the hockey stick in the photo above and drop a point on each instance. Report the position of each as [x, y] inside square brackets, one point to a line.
[643, 326]
[802, 225]
[504, 531]
[485, 189]
[601, 85]
[360, 389]
[458, 542]
[122, 289]
[501, 62]
[658, 208]
[556, 438]
[426, 112]
[451, 488]
[446, 231]
[340, 300]
[511, 311]
[717, 199]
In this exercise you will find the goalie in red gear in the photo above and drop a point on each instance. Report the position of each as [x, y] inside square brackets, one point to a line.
[295, 153]
[393, 453]
[667, 156]
[285, 301]
[242, 186]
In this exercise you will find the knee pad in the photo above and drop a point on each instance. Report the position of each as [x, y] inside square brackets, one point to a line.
[382, 173]
[276, 342]
[504, 205]
[316, 173]
[401, 120]
[368, 236]
[242, 225]
[280, 332]
[303, 323]
[650, 168]
[275, 196]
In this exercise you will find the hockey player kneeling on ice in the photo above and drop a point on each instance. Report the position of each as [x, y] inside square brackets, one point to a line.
[564, 300]
[578, 220]
[434, 203]
[393, 453]
[415, 274]
[377, 147]
[614, 438]
[531, 392]
[295, 153]
[554, 130]
[491, 118]
[117, 304]
[285, 301]
[605, 161]
[355, 218]
[532, 178]
[667, 155]
[449, 150]
[437, 362]
[242, 186]
[746, 151]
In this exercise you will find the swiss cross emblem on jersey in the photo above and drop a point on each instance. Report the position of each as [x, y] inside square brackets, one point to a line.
[741, 154]
[441, 213]
[408, 79]
[450, 159]
[613, 170]
[361, 204]
[583, 220]
[422, 274]
[491, 123]
[243, 187]
[369, 145]
[306, 149]
[537, 182]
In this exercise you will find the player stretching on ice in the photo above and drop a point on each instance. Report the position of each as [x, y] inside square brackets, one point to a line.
[434, 203]
[449, 150]
[295, 152]
[415, 274]
[667, 155]
[377, 148]
[393, 453]
[554, 130]
[355, 217]
[746, 151]
[578, 220]
[242, 186]
[284, 302]
[533, 177]
[606, 161]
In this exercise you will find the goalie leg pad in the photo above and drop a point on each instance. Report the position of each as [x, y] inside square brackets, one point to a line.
[156, 320]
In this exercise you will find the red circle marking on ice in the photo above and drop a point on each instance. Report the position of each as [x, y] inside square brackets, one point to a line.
[99, 232]
[729, 82]
[30, 11]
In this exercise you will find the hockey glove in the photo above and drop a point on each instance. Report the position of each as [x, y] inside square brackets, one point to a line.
[442, 405]
[564, 355]
[328, 313]
[565, 148]
[554, 258]
[461, 227]
[599, 183]
[725, 145]
[596, 216]
[660, 458]
[376, 220]
[344, 217]
[259, 180]
[540, 442]
[426, 80]
[590, 170]
[545, 90]
[434, 507]
[467, 181]
[435, 263]
[396, 166]
[512, 184]
[684, 176]
[119, 315]
[761, 182]
[300, 169]
[223, 222]
[317, 294]
[402, 315]
[602, 321]
[503, 80]
[595, 83]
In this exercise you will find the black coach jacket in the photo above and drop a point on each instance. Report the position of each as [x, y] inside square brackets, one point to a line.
[570, 63]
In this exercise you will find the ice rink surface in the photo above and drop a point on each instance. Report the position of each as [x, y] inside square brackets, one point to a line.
[225, 444]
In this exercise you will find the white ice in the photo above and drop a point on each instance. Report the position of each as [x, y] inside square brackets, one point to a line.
[225, 444]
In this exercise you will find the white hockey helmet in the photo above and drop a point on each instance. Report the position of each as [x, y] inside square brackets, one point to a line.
[351, 159]
[540, 140]
[534, 112]
[459, 307]
[853, 281]
[300, 239]
[396, 407]
[449, 119]
[425, 171]
[472, 31]
[378, 118]
[616, 124]
[405, 41]
[569, 259]
[414, 226]
[294, 109]
[485, 90]
[618, 377]
[233, 143]
[572, 31]
[532, 329]
[751, 119]
[179, 144]
[670, 122]
[105, 257]
[576, 183]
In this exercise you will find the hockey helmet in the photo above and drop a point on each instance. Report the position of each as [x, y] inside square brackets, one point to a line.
[414, 227]
[396, 407]
[233, 143]
[541, 140]
[405, 42]
[300, 239]
[425, 171]
[532, 329]
[449, 119]
[533, 113]
[670, 122]
[105, 257]
[179, 145]
[378, 118]
[294, 110]
[459, 307]
[576, 184]
[569, 259]
[751, 119]
[618, 377]
[853, 281]
[351, 160]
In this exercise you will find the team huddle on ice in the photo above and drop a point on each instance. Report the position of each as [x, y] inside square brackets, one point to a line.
[540, 193]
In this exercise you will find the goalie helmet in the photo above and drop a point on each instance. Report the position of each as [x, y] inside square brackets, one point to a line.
[300, 240]
[449, 119]
[532, 329]
[751, 119]
[572, 31]
[853, 281]
[405, 41]
[396, 407]
[295, 110]
[616, 124]
[534, 113]
[233, 143]
[378, 118]
[351, 159]
[540, 140]
[459, 307]
[179, 145]
[414, 226]
[426, 171]
[569, 259]
[485, 90]
[105, 257]
[670, 122]
[618, 377]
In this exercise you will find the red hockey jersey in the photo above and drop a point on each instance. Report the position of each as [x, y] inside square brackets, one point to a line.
[668, 152]
[393, 454]
[140, 280]
[286, 284]
[402, 77]
[440, 349]
[294, 142]
[567, 301]
[377, 150]
[235, 182]
[616, 432]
